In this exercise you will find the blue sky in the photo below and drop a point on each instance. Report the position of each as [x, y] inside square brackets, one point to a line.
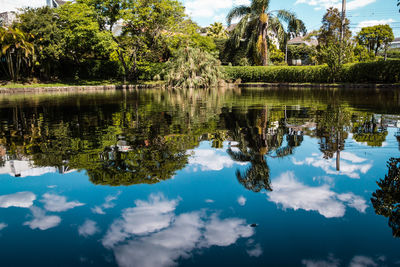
[361, 12]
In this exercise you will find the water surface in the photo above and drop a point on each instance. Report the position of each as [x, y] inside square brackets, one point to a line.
[200, 178]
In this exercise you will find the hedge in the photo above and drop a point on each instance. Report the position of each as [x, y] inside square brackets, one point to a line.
[373, 72]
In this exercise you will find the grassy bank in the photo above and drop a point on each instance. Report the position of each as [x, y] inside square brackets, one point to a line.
[374, 72]
[67, 83]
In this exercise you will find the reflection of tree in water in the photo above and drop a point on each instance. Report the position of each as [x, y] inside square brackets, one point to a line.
[257, 136]
[386, 200]
[369, 131]
[146, 163]
[332, 130]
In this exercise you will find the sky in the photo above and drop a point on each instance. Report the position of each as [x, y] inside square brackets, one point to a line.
[360, 12]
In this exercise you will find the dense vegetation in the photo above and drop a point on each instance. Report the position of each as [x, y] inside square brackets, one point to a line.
[131, 41]
[372, 72]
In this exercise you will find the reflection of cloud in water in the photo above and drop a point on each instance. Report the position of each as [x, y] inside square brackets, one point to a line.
[255, 251]
[56, 203]
[241, 200]
[210, 160]
[2, 226]
[108, 204]
[20, 200]
[151, 234]
[41, 220]
[290, 193]
[350, 164]
[88, 228]
[356, 261]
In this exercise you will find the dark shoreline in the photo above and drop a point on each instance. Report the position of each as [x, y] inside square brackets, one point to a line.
[100, 88]
[320, 85]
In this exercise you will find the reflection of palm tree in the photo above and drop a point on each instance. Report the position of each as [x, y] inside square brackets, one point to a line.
[386, 200]
[256, 138]
[256, 177]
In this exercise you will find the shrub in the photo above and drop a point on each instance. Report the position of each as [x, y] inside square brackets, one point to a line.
[192, 67]
[372, 72]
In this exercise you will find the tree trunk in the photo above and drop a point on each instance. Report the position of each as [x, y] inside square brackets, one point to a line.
[265, 55]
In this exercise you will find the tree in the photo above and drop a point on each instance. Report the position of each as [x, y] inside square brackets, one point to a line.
[216, 30]
[259, 26]
[386, 199]
[376, 38]
[192, 67]
[332, 48]
[48, 41]
[17, 50]
[81, 33]
[144, 25]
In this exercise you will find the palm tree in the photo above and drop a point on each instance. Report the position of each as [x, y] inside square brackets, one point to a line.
[257, 24]
[216, 30]
[16, 49]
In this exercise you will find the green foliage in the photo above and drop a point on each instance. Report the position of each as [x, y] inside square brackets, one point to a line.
[217, 30]
[331, 28]
[193, 68]
[372, 72]
[80, 32]
[276, 55]
[393, 54]
[376, 37]
[17, 51]
[49, 43]
[362, 54]
[303, 52]
[256, 25]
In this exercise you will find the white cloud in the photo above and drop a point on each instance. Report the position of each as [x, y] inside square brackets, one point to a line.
[56, 203]
[330, 262]
[41, 220]
[209, 201]
[362, 261]
[225, 232]
[88, 228]
[324, 4]
[20, 200]
[350, 164]
[2, 226]
[368, 23]
[146, 217]
[133, 239]
[241, 200]
[356, 261]
[256, 251]
[108, 204]
[210, 160]
[290, 193]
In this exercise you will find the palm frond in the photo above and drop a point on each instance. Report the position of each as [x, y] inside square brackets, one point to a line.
[237, 13]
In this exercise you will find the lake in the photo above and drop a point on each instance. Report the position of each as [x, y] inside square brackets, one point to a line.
[226, 177]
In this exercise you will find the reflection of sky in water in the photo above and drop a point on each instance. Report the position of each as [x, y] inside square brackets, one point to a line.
[311, 206]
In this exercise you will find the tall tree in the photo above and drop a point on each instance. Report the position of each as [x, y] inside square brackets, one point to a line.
[376, 38]
[49, 42]
[258, 25]
[143, 24]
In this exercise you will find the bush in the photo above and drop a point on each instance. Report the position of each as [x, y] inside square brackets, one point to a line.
[372, 72]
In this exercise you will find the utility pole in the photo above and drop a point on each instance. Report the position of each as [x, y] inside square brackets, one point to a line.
[342, 29]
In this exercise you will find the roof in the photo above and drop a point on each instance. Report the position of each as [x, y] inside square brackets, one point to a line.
[303, 40]
[60, 2]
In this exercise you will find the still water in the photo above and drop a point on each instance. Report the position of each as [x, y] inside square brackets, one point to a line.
[241, 177]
